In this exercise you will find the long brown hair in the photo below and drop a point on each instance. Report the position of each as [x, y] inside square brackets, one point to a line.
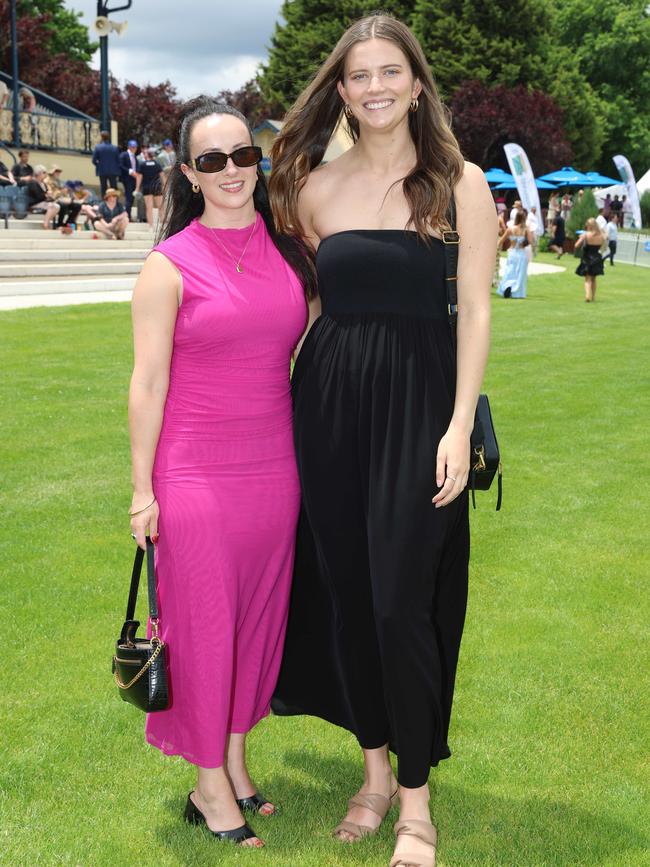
[310, 122]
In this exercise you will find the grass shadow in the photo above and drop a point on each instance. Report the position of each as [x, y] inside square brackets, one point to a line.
[482, 828]
[477, 827]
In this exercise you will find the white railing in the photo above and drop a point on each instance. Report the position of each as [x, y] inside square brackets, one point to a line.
[633, 248]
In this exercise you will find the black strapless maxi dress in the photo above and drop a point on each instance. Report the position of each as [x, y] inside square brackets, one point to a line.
[380, 582]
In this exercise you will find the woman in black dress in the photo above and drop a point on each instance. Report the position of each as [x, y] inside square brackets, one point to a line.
[591, 262]
[382, 420]
[147, 182]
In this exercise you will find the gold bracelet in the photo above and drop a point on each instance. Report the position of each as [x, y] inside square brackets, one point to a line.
[140, 511]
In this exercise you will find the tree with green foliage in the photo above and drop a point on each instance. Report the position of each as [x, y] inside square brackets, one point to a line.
[645, 209]
[501, 43]
[497, 42]
[305, 38]
[584, 206]
[66, 33]
[611, 44]
[54, 51]
[592, 60]
[582, 109]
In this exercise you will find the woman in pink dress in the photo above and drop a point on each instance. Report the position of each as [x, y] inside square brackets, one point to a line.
[217, 312]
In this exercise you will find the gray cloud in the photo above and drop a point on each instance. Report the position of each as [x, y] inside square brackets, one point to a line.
[199, 45]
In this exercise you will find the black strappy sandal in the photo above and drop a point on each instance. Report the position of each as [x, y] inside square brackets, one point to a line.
[254, 804]
[195, 817]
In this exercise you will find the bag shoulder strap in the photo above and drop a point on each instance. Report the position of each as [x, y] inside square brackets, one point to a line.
[151, 582]
[451, 240]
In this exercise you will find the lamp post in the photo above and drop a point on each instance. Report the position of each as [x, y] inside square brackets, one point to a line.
[14, 74]
[103, 11]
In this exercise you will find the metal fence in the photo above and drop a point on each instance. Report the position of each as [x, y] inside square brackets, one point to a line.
[42, 131]
[633, 249]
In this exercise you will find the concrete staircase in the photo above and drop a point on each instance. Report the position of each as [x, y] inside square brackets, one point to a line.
[39, 267]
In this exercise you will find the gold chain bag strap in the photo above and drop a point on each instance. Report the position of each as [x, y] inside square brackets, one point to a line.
[485, 458]
[140, 664]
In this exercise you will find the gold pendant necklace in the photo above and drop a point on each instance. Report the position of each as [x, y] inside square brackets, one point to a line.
[237, 262]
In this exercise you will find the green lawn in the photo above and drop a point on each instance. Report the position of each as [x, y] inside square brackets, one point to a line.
[551, 728]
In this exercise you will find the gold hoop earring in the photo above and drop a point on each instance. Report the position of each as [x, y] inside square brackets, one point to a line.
[348, 111]
[414, 105]
[196, 188]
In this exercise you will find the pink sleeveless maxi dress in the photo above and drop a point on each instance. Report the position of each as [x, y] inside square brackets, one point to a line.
[226, 482]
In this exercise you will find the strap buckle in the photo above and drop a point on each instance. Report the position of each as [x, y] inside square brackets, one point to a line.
[452, 309]
[451, 238]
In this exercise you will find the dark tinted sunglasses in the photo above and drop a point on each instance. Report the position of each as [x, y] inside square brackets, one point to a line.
[215, 161]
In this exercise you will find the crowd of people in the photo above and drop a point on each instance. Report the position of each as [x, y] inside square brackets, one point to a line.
[613, 206]
[68, 205]
[142, 175]
[597, 241]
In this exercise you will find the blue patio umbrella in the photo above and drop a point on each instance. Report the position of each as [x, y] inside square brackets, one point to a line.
[598, 180]
[540, 184]
[566, 177]
[497, 176]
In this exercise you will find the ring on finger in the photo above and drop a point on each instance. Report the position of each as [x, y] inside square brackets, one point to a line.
[453, 478]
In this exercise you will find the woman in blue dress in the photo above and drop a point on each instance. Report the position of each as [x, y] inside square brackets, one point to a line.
[515, 277]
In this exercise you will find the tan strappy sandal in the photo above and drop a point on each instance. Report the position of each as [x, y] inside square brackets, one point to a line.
[422, 831]
[379, 804]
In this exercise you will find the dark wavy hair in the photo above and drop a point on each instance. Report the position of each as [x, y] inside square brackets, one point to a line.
[310, 122]
[181, 205]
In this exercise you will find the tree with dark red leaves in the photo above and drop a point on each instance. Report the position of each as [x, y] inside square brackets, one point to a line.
[250, 101]
[147, 113]
[485, 118]
[54, 51]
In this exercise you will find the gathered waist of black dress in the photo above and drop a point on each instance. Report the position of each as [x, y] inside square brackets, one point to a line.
[382, 318]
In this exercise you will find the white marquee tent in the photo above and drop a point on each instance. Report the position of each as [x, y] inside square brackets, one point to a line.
[619, 190]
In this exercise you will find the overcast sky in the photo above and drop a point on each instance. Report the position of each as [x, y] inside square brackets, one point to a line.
[199, 45]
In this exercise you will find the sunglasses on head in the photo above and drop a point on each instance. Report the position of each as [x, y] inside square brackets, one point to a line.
[215, 161]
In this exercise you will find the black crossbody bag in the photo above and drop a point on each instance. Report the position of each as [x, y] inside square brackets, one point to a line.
[485, 460]
[140, 664]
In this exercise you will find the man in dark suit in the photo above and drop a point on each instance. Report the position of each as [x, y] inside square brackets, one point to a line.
[128, 168]
[106, 159]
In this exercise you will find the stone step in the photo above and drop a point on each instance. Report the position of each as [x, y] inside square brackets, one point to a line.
[50, 241]
[73, 268]
[34, 223]
[85, 254]
[37, 218]
[66, 286]
[132, 234]
[20, 302]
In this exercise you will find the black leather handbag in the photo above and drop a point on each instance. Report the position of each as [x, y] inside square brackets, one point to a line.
[140, 664]
[485, 459]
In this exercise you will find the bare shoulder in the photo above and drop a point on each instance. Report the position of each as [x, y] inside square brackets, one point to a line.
[308, 194]
[472, 183]
[319, 180]
[158, 267]
[313, 197]
[476, 212]
[159, 280]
